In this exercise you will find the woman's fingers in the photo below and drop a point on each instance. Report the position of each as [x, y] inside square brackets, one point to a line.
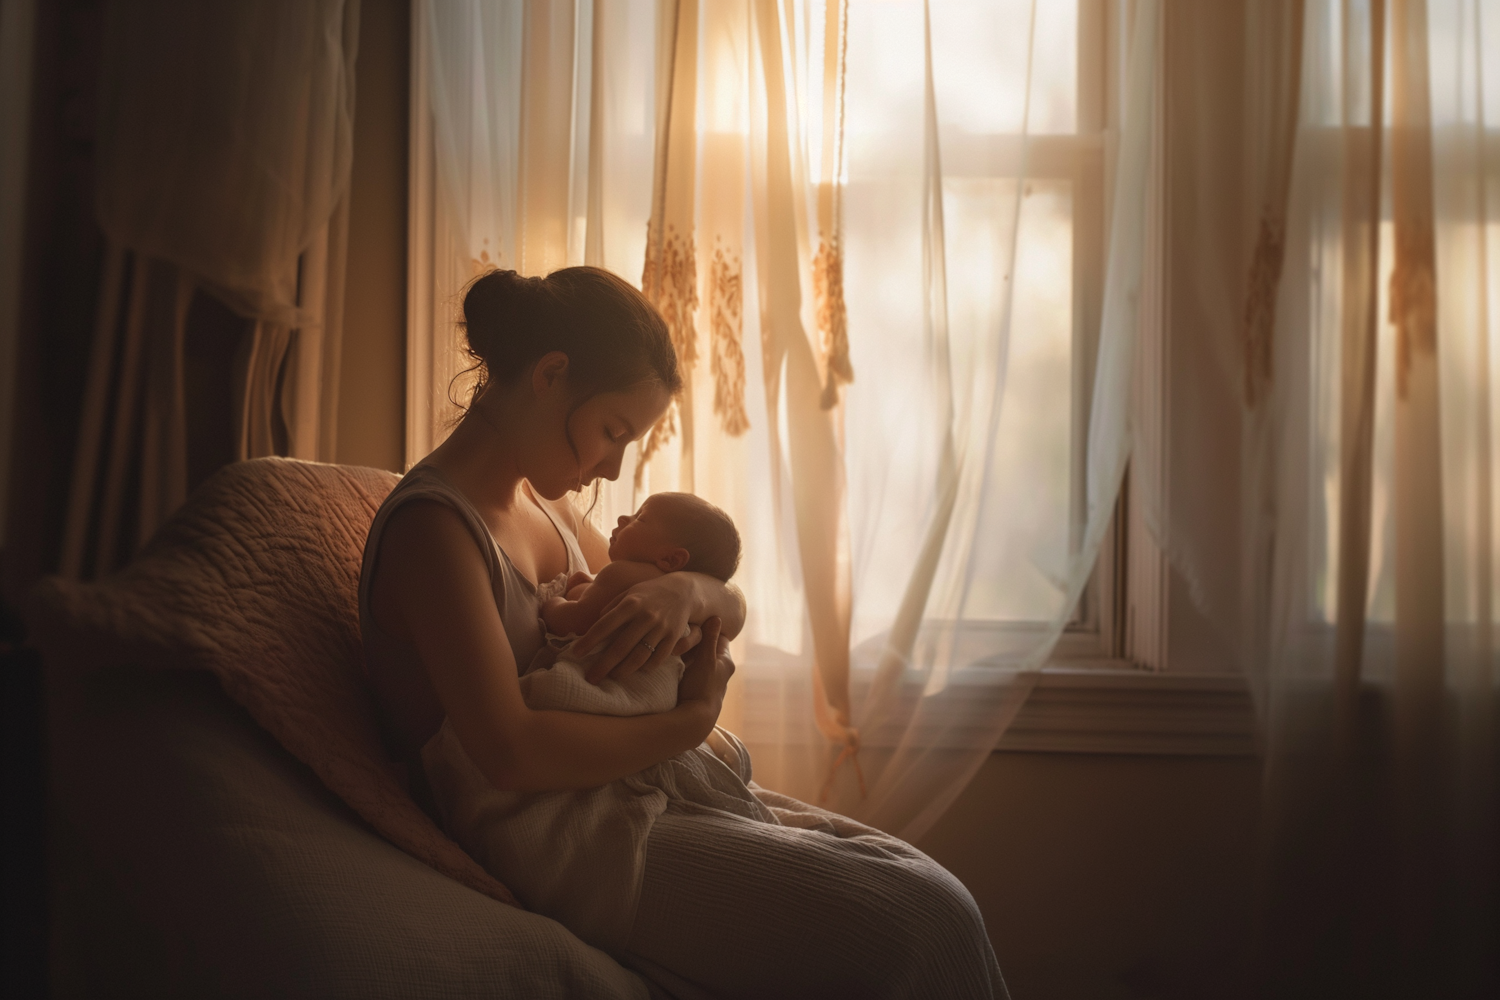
[723, 663]
[690, 639]
[640, 630]
[638, 634]
[609, 642]
[634, 659]
[614, 616]
[713, 642]
[701, 681]
[647, 654]
[624, 646]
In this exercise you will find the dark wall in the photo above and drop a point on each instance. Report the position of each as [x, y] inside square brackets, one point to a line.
[63, 251]
[372, 390]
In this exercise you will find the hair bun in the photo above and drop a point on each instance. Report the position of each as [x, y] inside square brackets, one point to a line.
[497, 291]
[496, 303]
[612, 335]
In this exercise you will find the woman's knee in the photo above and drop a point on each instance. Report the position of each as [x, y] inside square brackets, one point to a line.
[938, 901]
[932, 931]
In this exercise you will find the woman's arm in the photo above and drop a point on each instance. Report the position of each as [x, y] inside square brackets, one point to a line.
[432, 588]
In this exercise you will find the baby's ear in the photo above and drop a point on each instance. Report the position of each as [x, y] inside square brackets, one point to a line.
[673, 560]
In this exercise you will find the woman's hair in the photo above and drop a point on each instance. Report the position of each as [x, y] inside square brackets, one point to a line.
[613, 337]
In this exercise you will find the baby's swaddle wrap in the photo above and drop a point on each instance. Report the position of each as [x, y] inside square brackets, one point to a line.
[578, 856]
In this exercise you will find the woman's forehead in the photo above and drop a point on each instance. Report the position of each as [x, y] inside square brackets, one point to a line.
[643, 403]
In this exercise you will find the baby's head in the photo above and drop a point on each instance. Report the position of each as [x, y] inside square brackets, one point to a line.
[678, 531]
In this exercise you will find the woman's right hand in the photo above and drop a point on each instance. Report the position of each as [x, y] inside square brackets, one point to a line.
[709, 668]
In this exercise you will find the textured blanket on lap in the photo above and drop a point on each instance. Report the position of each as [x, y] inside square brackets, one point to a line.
[578, 856]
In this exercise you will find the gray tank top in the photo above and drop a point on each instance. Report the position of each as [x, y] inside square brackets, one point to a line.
[409, 710]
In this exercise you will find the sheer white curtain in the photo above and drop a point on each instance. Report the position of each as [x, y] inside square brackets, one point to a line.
[1361, 589]
[883, 193]
[573, 83]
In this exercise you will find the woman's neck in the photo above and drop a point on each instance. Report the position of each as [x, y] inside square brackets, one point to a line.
[479, 458]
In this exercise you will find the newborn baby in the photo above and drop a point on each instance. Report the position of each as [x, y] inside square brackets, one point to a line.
[670, 532]
[578, 856]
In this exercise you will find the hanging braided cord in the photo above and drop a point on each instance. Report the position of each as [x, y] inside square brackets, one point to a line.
[828, 264]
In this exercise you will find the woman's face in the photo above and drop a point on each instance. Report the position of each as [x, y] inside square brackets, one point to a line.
[598, 431]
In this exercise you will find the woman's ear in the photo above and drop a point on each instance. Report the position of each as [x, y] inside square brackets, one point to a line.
[549, 372]
[673, 561]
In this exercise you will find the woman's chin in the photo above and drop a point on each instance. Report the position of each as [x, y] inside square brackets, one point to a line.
[555, 490]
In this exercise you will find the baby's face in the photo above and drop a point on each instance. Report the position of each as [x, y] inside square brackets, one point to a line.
[647, 535]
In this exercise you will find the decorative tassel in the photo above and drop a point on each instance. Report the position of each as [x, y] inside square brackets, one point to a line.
[726, 326]
[833, 320]
[484, 263]
[670, 282]
[1413, 291]
[828, 265]
[1260, 307]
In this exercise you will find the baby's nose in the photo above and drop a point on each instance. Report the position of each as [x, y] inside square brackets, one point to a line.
[624, 520]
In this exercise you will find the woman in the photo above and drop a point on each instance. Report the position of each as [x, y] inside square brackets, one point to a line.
[573, 368]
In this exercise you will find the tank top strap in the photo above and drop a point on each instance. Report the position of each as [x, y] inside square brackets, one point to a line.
[425, 483]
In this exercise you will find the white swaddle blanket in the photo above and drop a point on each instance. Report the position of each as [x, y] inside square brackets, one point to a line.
[578, 856]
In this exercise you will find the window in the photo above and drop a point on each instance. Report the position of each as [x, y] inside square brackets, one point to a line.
[1023, 218]
[973, 314]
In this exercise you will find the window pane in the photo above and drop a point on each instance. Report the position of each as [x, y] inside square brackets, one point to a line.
[980, 56]
[1019, 571]
[1021, 346]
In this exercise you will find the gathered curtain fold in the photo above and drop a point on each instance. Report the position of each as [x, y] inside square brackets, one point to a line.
[224, 142]
[849, 393]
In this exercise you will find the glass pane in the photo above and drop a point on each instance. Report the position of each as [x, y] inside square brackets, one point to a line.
[979, 65]
[1019, 345]
[1019, 570]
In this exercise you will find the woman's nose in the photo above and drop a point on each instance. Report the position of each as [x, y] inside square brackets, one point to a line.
[610, 468]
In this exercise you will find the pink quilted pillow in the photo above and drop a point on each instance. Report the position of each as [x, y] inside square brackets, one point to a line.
[256, 578]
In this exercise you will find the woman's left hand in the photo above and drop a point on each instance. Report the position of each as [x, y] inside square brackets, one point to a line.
[642, 628]
[688, 642]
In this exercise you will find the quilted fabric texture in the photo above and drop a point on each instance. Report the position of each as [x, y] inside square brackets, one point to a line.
[256, 579]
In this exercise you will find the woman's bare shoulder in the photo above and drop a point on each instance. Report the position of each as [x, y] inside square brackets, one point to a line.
[426, 547]
[423, 520]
